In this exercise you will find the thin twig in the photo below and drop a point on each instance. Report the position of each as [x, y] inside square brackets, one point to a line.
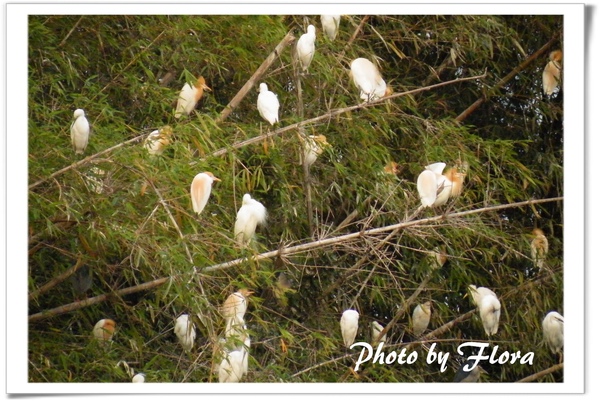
[542, 373]
[57, 280]
[62, 42]
[289, 38]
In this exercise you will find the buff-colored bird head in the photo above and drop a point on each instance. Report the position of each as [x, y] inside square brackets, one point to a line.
[556, 55]
[201, 84]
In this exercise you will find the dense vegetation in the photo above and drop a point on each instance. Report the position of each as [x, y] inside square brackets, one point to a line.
[125, 217]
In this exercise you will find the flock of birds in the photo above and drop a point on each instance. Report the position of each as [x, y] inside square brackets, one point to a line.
[435, 188]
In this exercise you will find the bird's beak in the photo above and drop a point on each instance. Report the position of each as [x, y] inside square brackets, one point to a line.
[216, 179]
[206, 88]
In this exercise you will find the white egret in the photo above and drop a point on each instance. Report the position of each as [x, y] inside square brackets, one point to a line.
[539, 248]
[80, 131]
[189, 97]
[185, 330]
[139, 378]
[479, 292]
[376, 329]
[200, 190]
[158, 140]
[552, 72]
[234, 308]
[305, 47]
[368, 79]
[330, 24]
[436, 187]
[489, 311]
[420, 318]
[552, 327]
[313, 147]
[250, 214]
[231, 368]
[349, 326]
[268, 104]
[104, 330]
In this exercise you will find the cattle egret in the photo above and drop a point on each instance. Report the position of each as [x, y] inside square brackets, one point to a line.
[157, 140]
[80, 131]
[104, 330]
[231, 368]
[139, 378]
[437, 258]
[189, 97]
[391, 168]
[200, 190]
[251, 213]
[539, 248]
[268, 104]
[246, 353]
[436, 187]
[479, 292]
[349, 326]
[330, 24]
[185, 330]
[376, 329]
[467, 375]
[489, 311]
[427, 186]
[313, 147]
[367, 78]
[420, 318]
[234, 308]
[552, 326]
[552, 72]
[305, 47]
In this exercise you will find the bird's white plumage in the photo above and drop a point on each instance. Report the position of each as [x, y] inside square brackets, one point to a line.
[349, 326]
[367, 78]
[268, 104]
[427, 187]
[139, 378]
[313, 147]
[246, 353]
[420, 318]
[479, 292]
[330, 24]
[231, 368]
[376, 329]
[104, 329]
[186, 101]
[250, 214]
[489, 311]
[553, 327]
[552, 72]
[305, 48]
[80, 131]
[200, 190]
[185, 330]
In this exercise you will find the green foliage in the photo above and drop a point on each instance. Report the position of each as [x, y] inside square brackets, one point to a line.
[127, 215]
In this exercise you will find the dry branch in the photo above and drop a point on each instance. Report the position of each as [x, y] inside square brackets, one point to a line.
[542, 373]
[507, 78]
[55, 281]
[290, 251]
[289, 38]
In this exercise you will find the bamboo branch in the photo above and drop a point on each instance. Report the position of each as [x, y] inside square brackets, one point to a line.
[330, 114]
[542, 373]
[94, 300]
[62, 42]
[507, 78]
[86, 160]
[288, 251]
[289, 38]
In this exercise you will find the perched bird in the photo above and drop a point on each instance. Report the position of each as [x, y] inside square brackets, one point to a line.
[552, 327]
[234, 309]
[231, 368]
[158, 140]
[268, 104]
[250, 214]
[104, 330]
[420, 318]
[139, 378]
[80, 131]
[189, 97]
[539, 248]
[467, 374]
[185, 330]
[305, 47]
[313, 147]
[552, 72]
[200, 190]
[330, 24]
[437, 258]
[349, 326]
[489, 311]
[391, 168]
[376, 329]
[436, 187]
[367, 78]
[479, 292]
